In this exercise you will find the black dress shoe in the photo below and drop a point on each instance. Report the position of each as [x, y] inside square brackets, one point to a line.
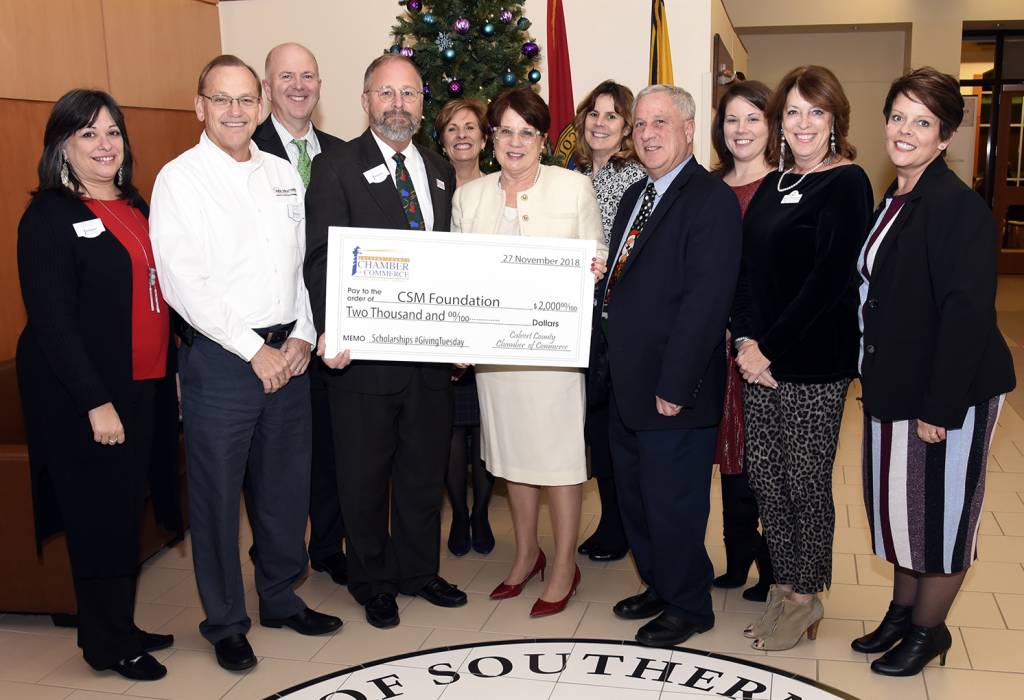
[600, 553]
[894, 625]
[305, 621]
[335, 565]
[141, 668]
[918, 646]
[668, 630]
[587, 546]
[439, 592]
[640, 606]
[155, 642]
[382, 611]
[234, 653]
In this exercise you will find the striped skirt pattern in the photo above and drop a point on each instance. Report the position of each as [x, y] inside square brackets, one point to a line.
[924, 500]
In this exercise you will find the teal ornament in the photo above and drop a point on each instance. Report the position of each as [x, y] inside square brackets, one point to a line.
[395, 48]
[488, 29]
[509, 79]
[523, 23]
[534, 76]
[429, 18]
[449, 54]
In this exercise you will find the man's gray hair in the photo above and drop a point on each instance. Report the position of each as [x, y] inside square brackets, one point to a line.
[388, 58]
[682, 100]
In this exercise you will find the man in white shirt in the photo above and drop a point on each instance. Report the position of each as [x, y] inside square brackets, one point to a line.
[392, 420]
[227, 224]
[292, 83]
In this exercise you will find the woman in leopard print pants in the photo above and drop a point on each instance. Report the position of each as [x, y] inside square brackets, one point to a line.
[795, 320]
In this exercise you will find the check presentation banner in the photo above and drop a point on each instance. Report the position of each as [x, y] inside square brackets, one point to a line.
[459, 297]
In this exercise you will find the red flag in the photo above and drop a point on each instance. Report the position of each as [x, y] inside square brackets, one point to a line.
[559, 76]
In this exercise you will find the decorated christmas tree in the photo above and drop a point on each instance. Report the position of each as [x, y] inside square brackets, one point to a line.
[465, 48]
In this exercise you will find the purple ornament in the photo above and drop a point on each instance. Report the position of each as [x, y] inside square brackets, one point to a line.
[505, 17]
[530, 49]
[454, 88]
[426, 90]
[415, 5]
[407, 52]
[461, 25]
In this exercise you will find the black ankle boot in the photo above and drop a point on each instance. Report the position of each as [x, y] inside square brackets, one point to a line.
[891, 630]
[458, 535]
[738, 558]
[766, 575]
[919, 646]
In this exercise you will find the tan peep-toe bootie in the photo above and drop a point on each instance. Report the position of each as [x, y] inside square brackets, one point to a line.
[795, 619]
[772, 607]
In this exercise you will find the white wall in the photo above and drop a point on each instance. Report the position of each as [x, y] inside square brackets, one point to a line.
[607, 39]
[865, 63]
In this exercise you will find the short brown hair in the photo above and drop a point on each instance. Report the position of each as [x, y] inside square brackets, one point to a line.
[937, 91]
[447, 113]
[622, 98]
[228, 60]
[526, 103]
[819, 86]
[753, 91]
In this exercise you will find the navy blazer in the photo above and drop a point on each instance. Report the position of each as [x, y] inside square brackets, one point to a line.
[340, 195]
[670, 307]
[267, 140]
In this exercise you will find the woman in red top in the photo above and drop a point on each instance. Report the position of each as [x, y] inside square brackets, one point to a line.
[740, 137]
[89, 360]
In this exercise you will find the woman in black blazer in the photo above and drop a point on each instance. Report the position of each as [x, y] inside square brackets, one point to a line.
[934, 370]
[89, 363]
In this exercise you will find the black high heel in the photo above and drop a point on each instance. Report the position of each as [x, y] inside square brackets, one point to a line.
[483, 537]
[919, 646]
[891, 630]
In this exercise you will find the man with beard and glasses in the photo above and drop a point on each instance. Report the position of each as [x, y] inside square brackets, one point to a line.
[392, 420]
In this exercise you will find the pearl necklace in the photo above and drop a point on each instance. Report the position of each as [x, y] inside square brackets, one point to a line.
[536, 177]
[778, 185]
[154, 296]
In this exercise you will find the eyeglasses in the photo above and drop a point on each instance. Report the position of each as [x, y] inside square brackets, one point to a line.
[504, 133]
[221, 101]
[387, 94]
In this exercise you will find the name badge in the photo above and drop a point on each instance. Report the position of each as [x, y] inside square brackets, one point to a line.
[377, 174]
[440, 184]
[89, 229]
[792, 197]
[296, 212]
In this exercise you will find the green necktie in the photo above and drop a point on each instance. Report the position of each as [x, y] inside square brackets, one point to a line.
[304, 163]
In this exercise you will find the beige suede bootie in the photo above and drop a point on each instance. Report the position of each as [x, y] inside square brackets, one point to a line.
[772, 608]
[795, 620]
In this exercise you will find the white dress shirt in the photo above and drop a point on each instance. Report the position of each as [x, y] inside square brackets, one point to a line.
[417, 171]
[229, 240]
[312, 142]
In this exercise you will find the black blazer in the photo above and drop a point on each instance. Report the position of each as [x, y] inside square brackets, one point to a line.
[669, 309]
[339, 195]
[931, 346]
[266, 139]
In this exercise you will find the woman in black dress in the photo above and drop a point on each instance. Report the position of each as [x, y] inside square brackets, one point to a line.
[89, 362]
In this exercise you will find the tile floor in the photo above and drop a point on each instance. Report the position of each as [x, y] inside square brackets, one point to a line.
[41, 662]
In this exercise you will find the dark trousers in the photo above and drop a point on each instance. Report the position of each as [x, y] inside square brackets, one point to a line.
[743, 541]
[326, 526]
[664, 483]
[106, 620]
[229, 424]
[609, 533]
[392, 456]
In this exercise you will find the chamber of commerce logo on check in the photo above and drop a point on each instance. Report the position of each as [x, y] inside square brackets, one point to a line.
[379, 263]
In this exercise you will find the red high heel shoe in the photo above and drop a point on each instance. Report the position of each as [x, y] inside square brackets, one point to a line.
[510, 590]
[546, 607]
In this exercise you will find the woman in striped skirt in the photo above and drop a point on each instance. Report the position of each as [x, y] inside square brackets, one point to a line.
[934, 370]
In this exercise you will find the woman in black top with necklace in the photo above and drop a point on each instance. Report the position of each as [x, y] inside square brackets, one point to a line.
[795, 324]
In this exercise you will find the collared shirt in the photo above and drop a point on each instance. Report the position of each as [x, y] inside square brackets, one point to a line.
[417, 171]
[229, 239]
[661, 186]
[312, 142]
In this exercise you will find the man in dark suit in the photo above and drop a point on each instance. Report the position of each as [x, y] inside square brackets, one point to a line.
[673, 262]
[392, 420]
[292, 85]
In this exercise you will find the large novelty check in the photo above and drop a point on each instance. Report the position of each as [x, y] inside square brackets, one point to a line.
[445, 297]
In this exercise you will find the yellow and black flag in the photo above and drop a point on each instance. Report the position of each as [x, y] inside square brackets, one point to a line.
[661, 54]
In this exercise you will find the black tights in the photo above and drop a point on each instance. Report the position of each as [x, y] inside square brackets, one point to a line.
[464, 439]
[931, 595]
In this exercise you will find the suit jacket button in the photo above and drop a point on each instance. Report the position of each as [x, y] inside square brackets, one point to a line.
[526, 217]
[869, 349]
[872, 303]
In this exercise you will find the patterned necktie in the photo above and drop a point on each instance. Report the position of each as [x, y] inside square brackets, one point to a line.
[304, 164]
[407, 192]
[638, 226]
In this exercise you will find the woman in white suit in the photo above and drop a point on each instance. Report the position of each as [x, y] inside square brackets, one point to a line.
[532, 418]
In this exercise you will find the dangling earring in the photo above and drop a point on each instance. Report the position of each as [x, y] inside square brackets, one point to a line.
[832, 142]
[120, 176]
[782, 149]
[65, 177]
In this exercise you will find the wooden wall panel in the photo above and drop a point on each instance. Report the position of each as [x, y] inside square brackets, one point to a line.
[155, 50]
[157, 136]
[55, 46]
